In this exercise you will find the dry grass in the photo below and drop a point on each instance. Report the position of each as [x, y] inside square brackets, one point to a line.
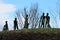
[31, 34]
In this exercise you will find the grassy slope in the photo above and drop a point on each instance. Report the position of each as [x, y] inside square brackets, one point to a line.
[31, 34]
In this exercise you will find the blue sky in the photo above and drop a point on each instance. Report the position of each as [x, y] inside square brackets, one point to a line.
[9, 7]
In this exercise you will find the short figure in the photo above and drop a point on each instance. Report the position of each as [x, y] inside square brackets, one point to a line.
[47, 21]
[42, 20]
[15, 24]
[5, 26]
[26, 22]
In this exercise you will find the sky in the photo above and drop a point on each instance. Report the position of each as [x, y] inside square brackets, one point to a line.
[8, 9]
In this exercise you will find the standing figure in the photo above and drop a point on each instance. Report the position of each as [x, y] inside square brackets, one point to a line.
[42, 20]
[47, 21]
[15, 24]
[26, 22]
[5, 26]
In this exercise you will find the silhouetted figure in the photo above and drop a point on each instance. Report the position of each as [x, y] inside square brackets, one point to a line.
[42, 20]
[5, 26]
[26, 22]
[47, 21]
[15, 24]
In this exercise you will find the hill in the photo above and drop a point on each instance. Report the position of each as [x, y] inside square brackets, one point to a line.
[31, 34]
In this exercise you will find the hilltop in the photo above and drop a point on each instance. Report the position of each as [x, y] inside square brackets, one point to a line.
[31, 34]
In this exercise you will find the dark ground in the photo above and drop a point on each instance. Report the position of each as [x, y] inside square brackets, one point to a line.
[29, 35]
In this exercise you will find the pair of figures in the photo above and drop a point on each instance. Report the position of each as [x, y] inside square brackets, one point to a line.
[25, 25]
[15, 25]
[44, 21]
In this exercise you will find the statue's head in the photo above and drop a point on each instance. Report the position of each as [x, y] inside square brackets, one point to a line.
[43, 13]
[5, 21]
[15, 18]
[47, 14]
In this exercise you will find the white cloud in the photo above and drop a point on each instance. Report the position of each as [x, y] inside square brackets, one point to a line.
[5, 8]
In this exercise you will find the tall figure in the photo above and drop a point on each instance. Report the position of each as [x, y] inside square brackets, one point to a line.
[15, 24]
[5, 26]
[47, 21]
[26, 21]
[42, 20]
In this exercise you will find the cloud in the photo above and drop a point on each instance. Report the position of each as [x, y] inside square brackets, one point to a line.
[5, 8]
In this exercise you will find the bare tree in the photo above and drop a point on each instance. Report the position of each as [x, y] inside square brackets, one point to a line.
[33, 16]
